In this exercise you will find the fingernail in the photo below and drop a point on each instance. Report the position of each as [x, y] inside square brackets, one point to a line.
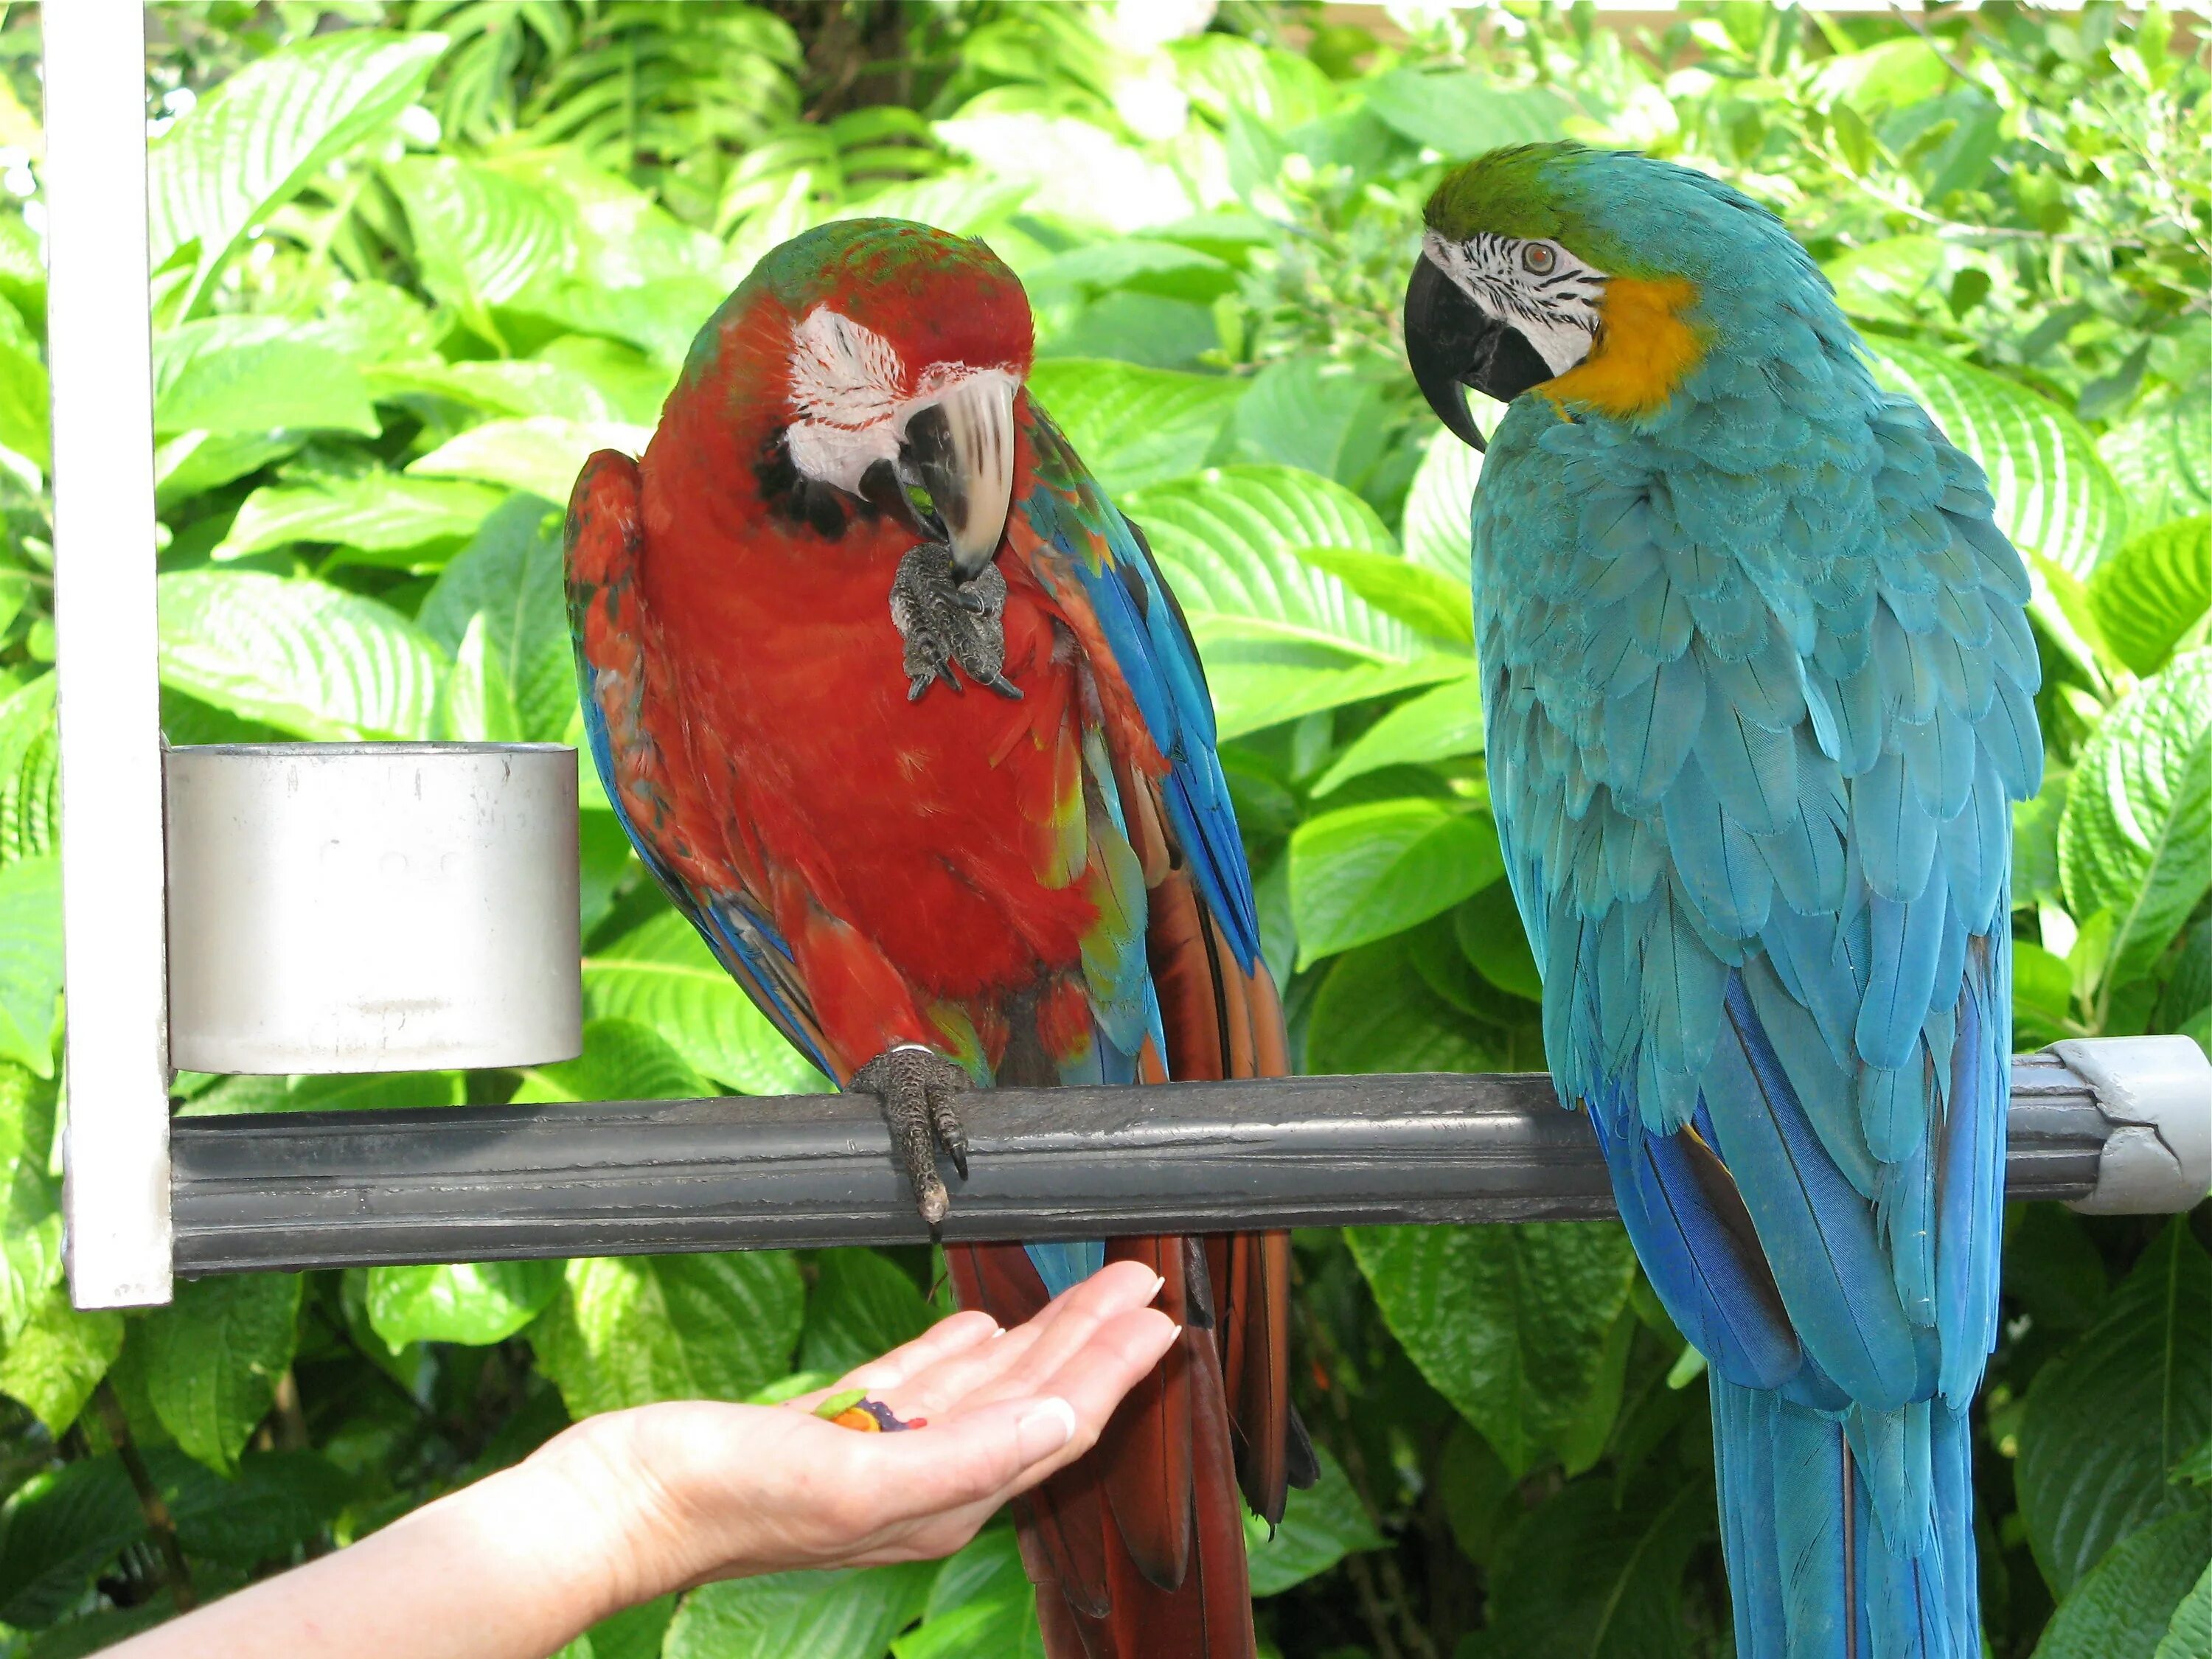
[1044, 1428]
[1159, 1284]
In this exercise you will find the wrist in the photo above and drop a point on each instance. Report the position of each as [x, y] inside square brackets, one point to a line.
[615, 1513]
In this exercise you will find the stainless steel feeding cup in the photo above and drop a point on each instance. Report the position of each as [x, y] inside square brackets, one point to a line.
[372, 907]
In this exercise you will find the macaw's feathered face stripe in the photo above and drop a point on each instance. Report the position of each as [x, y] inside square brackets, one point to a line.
[1553, 266]
[877, 363]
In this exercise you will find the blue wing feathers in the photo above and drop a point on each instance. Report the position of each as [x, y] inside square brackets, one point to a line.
[1803, 696]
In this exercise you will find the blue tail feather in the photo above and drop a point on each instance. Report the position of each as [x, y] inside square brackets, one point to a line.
[1896, 1580]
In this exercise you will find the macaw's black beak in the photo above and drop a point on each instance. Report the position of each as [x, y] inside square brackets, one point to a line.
[1452, 343]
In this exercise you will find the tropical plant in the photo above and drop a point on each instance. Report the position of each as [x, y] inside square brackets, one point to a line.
[417, 259]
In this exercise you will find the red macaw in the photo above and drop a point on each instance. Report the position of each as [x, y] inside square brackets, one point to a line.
[852, 505]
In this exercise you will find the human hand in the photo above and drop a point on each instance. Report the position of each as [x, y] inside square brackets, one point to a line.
[690, 1492]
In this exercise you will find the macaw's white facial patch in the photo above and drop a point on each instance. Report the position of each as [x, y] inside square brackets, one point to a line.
[853, 395]
[847, 384]
[1538, 289]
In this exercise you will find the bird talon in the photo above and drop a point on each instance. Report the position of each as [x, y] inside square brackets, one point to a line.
[917, 1086]
[943, 621]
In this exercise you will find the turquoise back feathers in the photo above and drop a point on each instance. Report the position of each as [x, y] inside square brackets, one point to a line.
[1759, 684]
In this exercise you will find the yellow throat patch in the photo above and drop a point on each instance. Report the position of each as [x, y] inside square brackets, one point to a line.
[1643, 348]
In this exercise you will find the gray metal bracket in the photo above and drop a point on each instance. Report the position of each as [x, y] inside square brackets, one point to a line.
[473, 1183]
[2156, 1092]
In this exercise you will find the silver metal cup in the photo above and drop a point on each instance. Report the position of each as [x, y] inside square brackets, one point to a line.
[372, 907]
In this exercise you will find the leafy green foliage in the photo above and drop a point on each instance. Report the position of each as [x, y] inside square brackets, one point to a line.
[849, 1614]
[2153, 591]
[2108, 1417]
[415, 272]
[1508, 1323]
[213, 1356]
[628, 1330]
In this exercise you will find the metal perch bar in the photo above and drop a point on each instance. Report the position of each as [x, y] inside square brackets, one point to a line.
[2121, 1125]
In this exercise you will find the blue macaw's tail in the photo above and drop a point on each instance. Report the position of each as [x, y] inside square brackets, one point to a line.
[1849, 1534]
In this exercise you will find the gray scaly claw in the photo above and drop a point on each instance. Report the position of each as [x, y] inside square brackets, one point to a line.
[943, 623]
[916, 1087]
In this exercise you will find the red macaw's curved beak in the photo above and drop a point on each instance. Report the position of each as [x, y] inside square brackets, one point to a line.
[961, 450]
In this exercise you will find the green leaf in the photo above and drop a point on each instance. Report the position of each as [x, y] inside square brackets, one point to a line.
[1309, 413]
[2053, 494]
[63, 1525]
[2136, 835]
[2126, 1602]
[213, 1358]
[1170, 270]
[476, 704]
[308, 658]
[2042, 995]
[1431, 604]
[505, 387]
[276, 1501]
[622, 1060]
[982, 1602]
[265, 132]
[352, 1092]
[30, 960]
[2112, 1414]
[194, 463]
[851, 1614]
[2163, 458]
[1440, 506]
[26, 398]
[30, 1198]
[661, 975]
[862, 1305]
[1440, 724]
[480, 235]
[30, 772]
[510, 575]
[1507, 1323]
[1321, 1524]
[2154, 590]
[634, 1633]
[1459, 114]
[57, 1530]
[1133, 426]
[2188, 1633]
[2035, 841]
[1375, 1012]
[542, 454]
[375, 512]
[634, 384]
[629, 1330]
[474, 1302]
[1893, 280]
[230, 374]
[1362, 873]
[1075, 169]
[1585, 1578]
[1281, 637]
[1492, 937]
[57, 1356]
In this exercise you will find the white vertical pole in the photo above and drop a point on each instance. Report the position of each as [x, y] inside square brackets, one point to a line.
[116, 1200]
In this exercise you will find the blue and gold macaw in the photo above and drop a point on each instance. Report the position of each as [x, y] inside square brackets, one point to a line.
[1758, 683]
[895, 704]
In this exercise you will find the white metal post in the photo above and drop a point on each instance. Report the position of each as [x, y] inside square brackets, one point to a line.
[99, 352]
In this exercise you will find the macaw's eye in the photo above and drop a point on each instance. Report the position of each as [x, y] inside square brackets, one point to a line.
[1537, 260]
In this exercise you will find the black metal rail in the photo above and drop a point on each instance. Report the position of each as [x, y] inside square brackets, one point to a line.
[477, 1183]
